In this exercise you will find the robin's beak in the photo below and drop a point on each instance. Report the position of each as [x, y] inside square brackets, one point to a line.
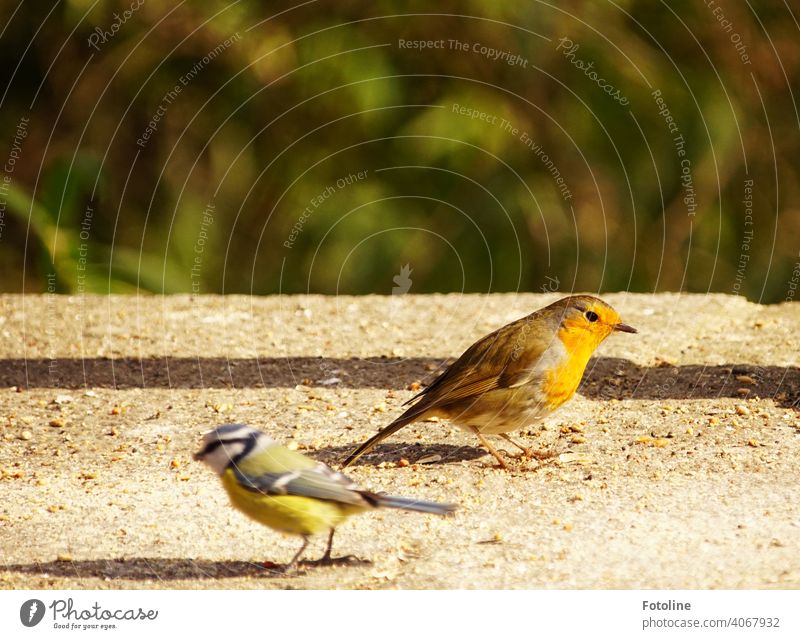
[198, 456]
[624, 328]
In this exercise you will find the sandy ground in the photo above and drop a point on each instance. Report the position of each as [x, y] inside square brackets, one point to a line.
[677, 465]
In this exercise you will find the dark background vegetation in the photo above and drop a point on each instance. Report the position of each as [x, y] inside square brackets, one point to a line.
[311, 92]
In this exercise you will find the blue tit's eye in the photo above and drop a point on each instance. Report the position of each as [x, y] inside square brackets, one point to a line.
[591, 316]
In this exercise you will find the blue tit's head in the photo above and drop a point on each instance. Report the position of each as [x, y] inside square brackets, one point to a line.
[230, 444]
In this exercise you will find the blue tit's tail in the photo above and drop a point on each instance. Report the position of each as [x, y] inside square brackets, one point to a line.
[417, 505]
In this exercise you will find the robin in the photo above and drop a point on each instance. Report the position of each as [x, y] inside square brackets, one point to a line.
[514, 376]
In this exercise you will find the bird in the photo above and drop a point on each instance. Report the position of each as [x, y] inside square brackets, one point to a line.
[288, 491]
[514, 376]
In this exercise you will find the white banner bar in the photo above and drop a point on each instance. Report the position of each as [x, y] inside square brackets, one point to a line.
[378, 614]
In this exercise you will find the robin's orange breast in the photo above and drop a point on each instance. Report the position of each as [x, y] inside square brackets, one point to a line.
[563, 380]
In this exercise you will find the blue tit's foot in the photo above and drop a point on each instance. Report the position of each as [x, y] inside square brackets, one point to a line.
[290, 567]
[326, 560]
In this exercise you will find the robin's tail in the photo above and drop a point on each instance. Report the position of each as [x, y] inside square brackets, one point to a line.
[403, 503]
[406, 418]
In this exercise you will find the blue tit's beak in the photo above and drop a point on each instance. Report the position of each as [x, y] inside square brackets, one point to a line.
[624, 328]
[198, 456]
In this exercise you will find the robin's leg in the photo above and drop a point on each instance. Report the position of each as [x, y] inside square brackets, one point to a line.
[529, 452]
[490, 448]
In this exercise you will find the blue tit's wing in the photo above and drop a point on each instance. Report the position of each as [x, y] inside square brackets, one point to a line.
[318, 482]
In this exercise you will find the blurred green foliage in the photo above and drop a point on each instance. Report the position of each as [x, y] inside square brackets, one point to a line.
[257, 109]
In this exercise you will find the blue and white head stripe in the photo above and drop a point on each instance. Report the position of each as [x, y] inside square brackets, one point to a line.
[229, 444]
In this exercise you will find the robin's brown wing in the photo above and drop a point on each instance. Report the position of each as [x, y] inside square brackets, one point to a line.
[506, 358]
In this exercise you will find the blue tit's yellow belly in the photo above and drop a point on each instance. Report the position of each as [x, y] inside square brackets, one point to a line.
[286, 513]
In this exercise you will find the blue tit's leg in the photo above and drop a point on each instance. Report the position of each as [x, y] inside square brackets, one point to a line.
[490, 448]
[297, 555]
[326, 558]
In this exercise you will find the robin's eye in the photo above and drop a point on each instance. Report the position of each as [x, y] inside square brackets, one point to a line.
[592, 316]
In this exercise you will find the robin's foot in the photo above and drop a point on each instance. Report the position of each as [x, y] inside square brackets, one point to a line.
[542, 455]
[530, 453]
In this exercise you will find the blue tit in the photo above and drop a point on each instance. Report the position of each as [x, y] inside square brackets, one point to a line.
[290, 492]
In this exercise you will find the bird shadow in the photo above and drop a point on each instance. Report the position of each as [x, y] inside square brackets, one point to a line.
[215, 372]
[168, 569]
[605, 377]
[427, 454]
[615, 378]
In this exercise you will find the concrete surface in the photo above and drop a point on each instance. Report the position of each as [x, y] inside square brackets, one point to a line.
[677, 465]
